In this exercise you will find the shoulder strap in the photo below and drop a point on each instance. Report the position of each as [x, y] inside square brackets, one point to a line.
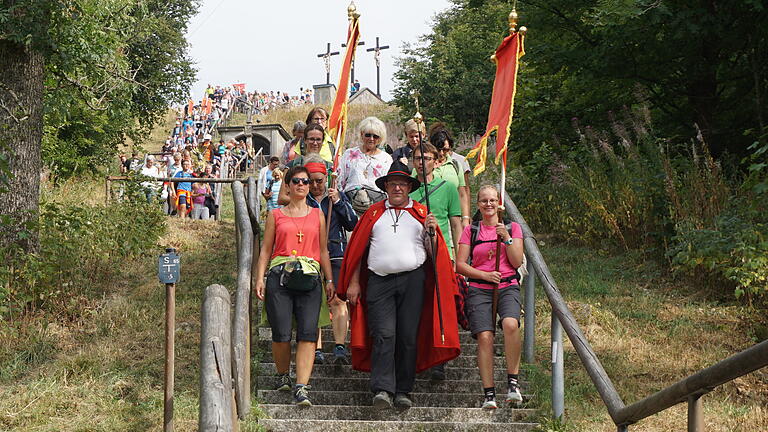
[456, 166]
[429, 192]
[474, 232]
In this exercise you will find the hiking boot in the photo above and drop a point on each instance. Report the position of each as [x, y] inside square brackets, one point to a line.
[382, 401]
[438, 373]
[301, 396]
[340, 355]
[284, 382]
[403, 401]
[490, 404]
[514, 394]
[319, 357]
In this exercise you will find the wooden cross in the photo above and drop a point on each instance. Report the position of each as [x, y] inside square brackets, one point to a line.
[377, 56]
[326, 56]
[300, 235]
[352, 78]
[491, 253]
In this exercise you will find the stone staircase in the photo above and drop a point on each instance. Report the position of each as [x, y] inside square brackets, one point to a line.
[342, 400]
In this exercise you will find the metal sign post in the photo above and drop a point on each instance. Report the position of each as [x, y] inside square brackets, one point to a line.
[168, 271]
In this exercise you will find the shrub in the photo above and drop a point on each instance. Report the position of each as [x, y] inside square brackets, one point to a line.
[627, 188]
[81, 250]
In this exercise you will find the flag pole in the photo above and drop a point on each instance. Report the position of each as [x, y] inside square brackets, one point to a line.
[512, 18]
[419, 119]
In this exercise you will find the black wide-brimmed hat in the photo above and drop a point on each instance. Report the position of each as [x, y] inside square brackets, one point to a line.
[398, 169]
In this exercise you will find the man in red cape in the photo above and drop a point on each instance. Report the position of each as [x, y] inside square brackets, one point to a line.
[393, 303]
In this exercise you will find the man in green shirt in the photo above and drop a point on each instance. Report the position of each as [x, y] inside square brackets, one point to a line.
[443, 196]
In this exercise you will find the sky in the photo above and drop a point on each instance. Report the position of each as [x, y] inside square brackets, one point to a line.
[273, 44]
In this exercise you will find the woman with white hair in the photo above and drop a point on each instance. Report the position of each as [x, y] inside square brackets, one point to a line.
[360, 166]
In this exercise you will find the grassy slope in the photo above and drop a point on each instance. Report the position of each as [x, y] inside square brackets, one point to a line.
[104, 372]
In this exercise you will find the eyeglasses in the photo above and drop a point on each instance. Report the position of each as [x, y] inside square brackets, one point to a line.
[423, 158]
[488, 201]
[372, 135]
[317, 181]
[319, 119]
[313, 139]
[302, 180]
[398, 185]
[445, 149]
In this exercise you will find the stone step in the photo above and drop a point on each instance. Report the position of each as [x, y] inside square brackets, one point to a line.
[464, 361]
[346, 412]
[340, 371]
[460, 400]
[465, 337]
[362, 384]
[292, 425]
[466, 349]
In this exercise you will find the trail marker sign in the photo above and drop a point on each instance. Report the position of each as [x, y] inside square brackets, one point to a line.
[169, 267]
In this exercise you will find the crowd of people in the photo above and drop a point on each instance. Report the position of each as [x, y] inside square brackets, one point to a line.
[387, 235]
[240, 100]
[189, 152]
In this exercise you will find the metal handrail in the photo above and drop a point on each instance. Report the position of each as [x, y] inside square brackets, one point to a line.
[688, 389]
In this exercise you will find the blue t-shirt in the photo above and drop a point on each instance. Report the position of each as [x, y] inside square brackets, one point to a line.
[187, 186]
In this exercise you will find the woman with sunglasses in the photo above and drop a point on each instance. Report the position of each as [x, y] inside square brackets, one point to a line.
[449, 167]
[294, 252]
[360, 166]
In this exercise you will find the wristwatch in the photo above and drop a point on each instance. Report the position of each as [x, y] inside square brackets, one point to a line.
[508, 242]
[327, 281]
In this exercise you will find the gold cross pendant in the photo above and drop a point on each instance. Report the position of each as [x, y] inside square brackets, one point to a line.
[300, 235]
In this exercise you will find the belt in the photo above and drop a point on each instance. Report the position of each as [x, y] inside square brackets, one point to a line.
[514, 277]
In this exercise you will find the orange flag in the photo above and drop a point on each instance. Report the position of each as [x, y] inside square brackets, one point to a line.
[502, 101]
[337, 124]
[190, 107]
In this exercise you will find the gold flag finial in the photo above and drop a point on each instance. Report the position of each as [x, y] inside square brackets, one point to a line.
[513, 21]
[352, 11]
[418, 118]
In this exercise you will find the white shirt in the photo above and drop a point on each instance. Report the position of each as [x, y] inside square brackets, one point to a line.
[396, 249]
[150, 172]
[358, 169]
[462, 162]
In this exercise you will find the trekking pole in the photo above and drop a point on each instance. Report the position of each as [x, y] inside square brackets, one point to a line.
[499, 219]
[419, 119]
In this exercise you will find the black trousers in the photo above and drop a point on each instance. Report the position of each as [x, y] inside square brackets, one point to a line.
[394, 311]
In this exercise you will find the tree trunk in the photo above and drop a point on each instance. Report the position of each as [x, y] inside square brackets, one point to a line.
[21, 129]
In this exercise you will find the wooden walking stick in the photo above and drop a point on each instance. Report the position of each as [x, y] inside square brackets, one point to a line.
[418, 118]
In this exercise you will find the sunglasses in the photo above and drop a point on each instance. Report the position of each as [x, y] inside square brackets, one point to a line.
[302, 180]
[371, 135]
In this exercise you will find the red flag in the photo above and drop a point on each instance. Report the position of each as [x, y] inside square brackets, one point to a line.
[240, 87]
[502, 101]
[337, 124]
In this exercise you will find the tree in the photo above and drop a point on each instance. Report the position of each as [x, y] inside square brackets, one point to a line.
[696, 63]
[80, 76]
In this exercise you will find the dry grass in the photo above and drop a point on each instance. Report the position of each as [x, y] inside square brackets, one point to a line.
[648, 334]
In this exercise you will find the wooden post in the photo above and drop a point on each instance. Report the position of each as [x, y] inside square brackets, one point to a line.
[107, 191]
[170, 335]
[695, 414]
[240, 324]
[215, 362]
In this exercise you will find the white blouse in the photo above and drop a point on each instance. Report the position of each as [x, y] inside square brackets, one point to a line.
[358, 169]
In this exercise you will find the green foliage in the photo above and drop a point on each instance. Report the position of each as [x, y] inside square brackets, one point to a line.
[735, 250]
[81, 248]
[694, 63]
[112, 69]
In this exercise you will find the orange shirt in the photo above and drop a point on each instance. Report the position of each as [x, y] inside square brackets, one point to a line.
[287, 239]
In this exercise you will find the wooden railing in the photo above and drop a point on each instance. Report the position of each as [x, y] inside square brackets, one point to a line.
[689, 389]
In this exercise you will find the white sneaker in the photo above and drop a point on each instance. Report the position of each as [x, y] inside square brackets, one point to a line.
[514, 395]
[490, 405]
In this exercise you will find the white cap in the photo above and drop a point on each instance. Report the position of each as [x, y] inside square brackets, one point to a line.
[207, 137]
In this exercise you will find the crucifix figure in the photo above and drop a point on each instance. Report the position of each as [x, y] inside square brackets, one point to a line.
[377, 56]
[326, 56]
[352, 78]
[300, 236]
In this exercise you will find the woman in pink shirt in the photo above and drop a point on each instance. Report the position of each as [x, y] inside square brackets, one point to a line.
[479, 240]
